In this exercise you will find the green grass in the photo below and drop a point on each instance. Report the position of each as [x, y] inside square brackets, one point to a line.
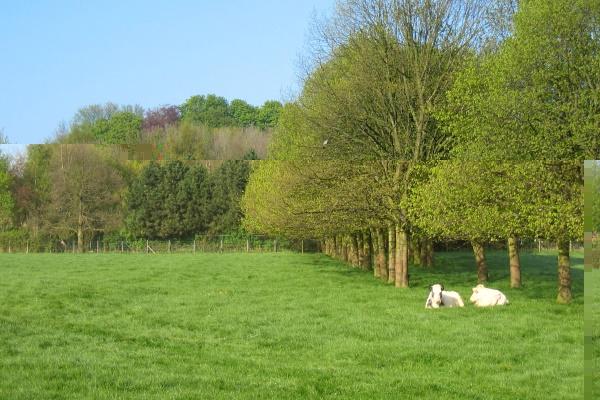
[278, 326]
[592, 333]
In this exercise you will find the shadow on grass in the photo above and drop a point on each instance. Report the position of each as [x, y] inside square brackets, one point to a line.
[457, 269]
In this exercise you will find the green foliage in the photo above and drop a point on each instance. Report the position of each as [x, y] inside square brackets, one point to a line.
[229, 183]
[492, 200]
[120, 128]
[7, 203]
[215, 112]
[592, 196]
[279, 326]
[84, 192]
[169, 201]
[211, 111]
[538, 97]
[243, 113]
[268, 114]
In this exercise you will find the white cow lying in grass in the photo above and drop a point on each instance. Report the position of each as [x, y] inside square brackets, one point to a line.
[484, 297]
[438, 297]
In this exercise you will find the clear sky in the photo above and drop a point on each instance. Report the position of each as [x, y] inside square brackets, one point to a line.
[60, 55]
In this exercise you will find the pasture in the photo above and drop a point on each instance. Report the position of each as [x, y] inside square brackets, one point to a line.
[281, 326]
[592, 333]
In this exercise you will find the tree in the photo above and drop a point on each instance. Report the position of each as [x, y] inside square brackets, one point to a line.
[537, 98]
[229, 183]
[379, 75]
[243, 113]
[210, 110]
[482, 201]
[169, 201]
[7, 203]
[84, 193]
[160, 118]
[268, 115]
[122, 127]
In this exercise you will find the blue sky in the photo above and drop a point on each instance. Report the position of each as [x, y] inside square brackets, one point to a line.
[58, 56]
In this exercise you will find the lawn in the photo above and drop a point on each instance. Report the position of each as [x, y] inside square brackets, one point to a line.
[279, 326]
[592, 333]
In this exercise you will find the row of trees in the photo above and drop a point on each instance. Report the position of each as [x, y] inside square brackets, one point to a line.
[202, 128]
[120, 170]
[437, 120]
[176, 200]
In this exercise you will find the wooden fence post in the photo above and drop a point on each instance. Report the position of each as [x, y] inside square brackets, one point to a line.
[194, 246]
[147, 246]
[247, 245]
[275, 245]
[221, 243]
[169, 245]
[27, 251]
[302, 246]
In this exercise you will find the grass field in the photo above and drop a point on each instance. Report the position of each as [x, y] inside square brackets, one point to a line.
[592, 333]
[279, 326]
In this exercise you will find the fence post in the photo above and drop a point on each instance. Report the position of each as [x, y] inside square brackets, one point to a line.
[147, 248]
[169, 245]
[221, 249]
[302, 246]
[275, 245]
[194, 246]
[73, 242]
[27, 251]
[9, 250]
[247, 245]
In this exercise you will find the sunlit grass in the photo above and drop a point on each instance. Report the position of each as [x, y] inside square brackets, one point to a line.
[278, 326]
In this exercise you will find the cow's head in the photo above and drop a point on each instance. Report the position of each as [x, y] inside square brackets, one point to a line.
[436, 295]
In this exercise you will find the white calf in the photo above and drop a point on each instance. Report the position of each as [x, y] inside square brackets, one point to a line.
[438, 297]
[484, 297]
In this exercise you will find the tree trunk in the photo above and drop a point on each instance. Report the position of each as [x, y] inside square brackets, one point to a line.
[423, 252]
[368, 251]
[482, 269]
[381, 260]
[515, 262]
[391, 255]
[80, 228]
[376, 251]
[401, 268]
[564, 273]
[427, 261]
[355, 250]
[345, 250]
[415, 251]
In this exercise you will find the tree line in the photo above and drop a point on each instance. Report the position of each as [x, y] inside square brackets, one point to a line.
[122, 172]
[422, 122]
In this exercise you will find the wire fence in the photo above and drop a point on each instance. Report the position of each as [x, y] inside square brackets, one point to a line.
[246, 244]
[201, 244]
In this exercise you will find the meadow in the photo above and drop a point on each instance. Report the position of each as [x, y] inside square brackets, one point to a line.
[279, 326]
[592, 333]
